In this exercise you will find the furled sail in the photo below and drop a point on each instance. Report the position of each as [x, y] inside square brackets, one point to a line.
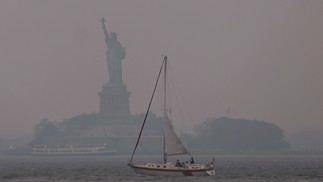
[173, 146]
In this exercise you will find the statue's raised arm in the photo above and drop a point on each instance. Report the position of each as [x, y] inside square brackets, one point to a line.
[107, 37]
[115, 54]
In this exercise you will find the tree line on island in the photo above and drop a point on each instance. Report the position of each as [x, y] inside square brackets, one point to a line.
[229, 134]
[224, 134]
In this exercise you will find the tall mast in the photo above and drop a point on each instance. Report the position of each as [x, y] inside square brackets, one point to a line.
[165, 111]
[145, 119]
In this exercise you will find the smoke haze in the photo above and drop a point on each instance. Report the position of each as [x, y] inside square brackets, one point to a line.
[263, 59]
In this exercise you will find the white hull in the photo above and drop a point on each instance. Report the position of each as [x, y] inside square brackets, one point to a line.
[172, 170]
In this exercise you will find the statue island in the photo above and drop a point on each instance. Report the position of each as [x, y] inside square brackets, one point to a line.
[114, 118]
[113, 125]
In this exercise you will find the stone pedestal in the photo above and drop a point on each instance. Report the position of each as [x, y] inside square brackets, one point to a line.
[114, 104]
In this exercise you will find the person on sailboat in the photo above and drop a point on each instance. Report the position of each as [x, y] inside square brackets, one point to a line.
[192, 160]
[178, 164]
[186, 164]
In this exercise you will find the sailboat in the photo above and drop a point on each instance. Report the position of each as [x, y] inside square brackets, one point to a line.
[172, 145]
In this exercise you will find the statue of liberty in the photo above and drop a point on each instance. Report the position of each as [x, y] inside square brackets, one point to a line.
[115, 54]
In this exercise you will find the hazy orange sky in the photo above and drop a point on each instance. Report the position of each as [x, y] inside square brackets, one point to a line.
[264, 59]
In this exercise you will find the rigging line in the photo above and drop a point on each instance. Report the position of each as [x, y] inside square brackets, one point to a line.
[179, 99]
[151, 99]
[169, 98]
[178, 89]
[175, 93]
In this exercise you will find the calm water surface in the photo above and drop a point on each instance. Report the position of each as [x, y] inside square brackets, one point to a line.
[235, 168]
